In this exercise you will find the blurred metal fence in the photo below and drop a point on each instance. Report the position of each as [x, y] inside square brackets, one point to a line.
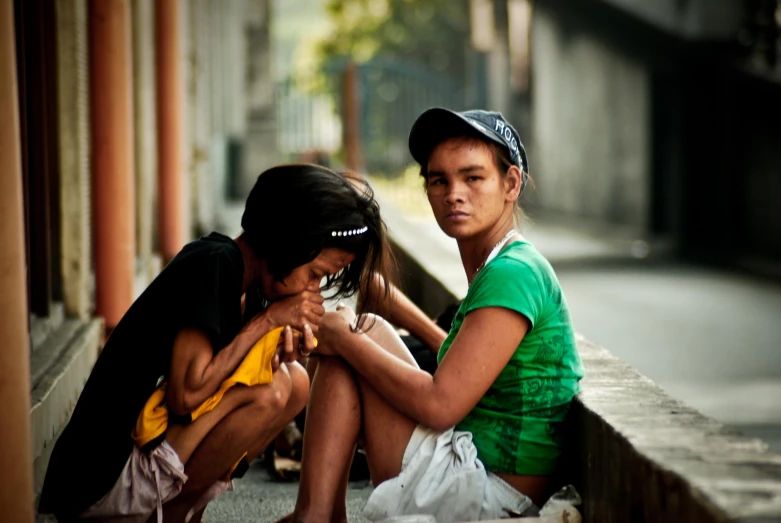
[389, 93]
[393, 93]
[308, 116]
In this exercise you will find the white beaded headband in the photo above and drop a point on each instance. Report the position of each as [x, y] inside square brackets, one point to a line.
[351, 232]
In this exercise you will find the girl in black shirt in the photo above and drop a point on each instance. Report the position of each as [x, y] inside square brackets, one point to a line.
[302, 224]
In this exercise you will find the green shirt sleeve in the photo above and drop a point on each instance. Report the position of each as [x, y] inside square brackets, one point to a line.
[511, 284]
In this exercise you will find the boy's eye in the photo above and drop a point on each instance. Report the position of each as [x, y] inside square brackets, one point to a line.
[436, 181]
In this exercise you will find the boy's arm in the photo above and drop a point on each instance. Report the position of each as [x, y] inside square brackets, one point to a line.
[404, 313]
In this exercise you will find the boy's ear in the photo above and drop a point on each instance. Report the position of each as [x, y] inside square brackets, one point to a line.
[513, 181]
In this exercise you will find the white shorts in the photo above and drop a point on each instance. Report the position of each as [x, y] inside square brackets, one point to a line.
[146, 482]
[441, 476]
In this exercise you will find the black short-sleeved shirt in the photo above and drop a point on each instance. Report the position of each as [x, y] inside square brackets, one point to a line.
[200, 288]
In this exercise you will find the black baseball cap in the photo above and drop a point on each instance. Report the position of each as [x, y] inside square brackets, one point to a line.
[438, 124]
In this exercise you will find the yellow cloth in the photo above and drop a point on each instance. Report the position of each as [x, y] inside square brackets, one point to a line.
[255, 369]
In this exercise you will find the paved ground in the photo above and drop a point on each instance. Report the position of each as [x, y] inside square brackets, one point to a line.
[708, 338]
[259, 499]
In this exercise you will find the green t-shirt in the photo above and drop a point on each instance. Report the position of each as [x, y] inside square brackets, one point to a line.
[516, 426]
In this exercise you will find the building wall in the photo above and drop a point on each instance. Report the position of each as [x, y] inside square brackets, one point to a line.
[695, 19]
[590, 143]
[260, 146]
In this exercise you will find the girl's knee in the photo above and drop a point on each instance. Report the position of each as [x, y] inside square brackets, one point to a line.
[275, 395]
[290, 388]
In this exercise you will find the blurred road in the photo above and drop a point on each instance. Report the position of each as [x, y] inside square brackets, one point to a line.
[710, 338]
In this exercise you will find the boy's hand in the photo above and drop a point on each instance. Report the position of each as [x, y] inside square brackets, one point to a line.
[335, 326]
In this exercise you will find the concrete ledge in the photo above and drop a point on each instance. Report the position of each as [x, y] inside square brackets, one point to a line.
[59, 370]
[636, 454]
[639, 455]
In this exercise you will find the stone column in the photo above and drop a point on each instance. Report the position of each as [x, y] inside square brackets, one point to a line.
[111, 111]
[145, 128]
[170, 139]
[74, 155]
[202, 194]
[16, 489]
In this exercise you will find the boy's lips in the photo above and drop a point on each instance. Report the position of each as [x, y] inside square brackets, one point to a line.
[456, 215]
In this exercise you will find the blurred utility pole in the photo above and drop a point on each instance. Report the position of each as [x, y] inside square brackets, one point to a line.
[16, 488]
[170, 154]
[499, 62]
[352, 117]
[111, 112]
[489, 34]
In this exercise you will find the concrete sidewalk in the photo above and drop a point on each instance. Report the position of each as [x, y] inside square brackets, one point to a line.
[260, 499]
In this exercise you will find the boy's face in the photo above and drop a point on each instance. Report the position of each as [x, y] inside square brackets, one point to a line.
[306, 277]
[465, 189]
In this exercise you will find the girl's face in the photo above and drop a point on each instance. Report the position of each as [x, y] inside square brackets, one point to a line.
[306, 277]
[465, 189]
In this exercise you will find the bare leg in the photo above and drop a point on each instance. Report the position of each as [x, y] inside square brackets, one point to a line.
[331, 430]
[332, 427]
[247, 428]
[339, 513]
[299, 394]
[196, 518]
[386, 431]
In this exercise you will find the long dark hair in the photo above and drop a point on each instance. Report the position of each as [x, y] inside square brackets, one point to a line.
[295, 211]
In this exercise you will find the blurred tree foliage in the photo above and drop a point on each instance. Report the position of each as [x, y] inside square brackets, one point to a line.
[415, 54]
[434, 33]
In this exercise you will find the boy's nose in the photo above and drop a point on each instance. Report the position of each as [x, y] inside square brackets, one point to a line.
[454, 196]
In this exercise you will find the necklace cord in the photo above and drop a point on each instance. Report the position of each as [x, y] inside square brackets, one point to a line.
[494, 251]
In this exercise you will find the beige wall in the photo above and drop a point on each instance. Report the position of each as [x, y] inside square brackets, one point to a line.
[590, 147]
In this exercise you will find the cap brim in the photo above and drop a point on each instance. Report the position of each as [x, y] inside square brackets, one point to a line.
[436, 125]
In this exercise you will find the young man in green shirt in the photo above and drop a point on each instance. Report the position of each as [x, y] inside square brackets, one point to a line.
[483, 434]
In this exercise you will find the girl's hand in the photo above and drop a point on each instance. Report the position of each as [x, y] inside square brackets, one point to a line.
[304, 308]
[293, 346]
